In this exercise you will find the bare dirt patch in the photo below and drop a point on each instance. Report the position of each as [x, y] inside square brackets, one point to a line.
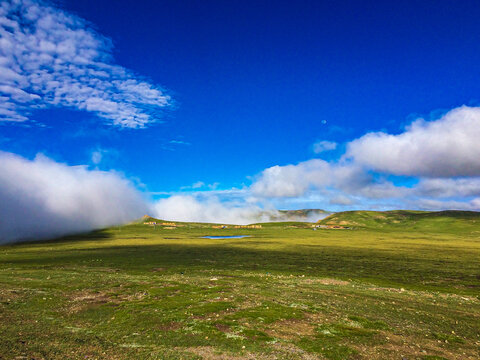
[85, 299]
[8, 295]
[290, 329]
[410, 347]
[222, 327]
[294, 352]
[326, 281]
[171, 326]
[209, 352]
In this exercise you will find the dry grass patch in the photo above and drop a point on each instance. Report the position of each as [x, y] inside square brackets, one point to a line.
[290, 329]
[210, 353]
[290, 351]
[326, 281]
[410, 347]
[8, 295]
[171, 326]
[88, 299]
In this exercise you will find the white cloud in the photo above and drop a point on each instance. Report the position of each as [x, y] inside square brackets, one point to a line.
[97, 157]
[101, 155]
[213, 186]
[337, 182]
[341, 200]
[208, 209]
[436, 205]
[50, 58]
[442, 156]
[280, 181]
[41, 198]
[198, 185]
[449, 188]
[179, 142]
[324, 145]
[447, 147]
[296, 180]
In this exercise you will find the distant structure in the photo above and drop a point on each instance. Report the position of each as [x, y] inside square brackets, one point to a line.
[247, 227]
[237, 226]
[164, 225]
[315, 227]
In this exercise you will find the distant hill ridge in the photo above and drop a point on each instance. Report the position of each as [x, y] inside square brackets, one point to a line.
[394, 219]
[301, 215]
[309, 215]
[305, 212]
[428, 220]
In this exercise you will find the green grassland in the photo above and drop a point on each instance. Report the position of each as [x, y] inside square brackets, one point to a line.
[395, 285]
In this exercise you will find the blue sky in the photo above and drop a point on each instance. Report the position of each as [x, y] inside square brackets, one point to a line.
[219, 93]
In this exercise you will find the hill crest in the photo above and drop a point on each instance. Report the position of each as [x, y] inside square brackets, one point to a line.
[401, 218]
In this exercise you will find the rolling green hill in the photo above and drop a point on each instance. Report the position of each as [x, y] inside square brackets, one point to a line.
[436, 221]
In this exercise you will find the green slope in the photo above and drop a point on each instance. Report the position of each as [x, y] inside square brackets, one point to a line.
[437, 221]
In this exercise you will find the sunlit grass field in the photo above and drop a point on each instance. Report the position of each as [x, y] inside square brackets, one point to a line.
[384, 289]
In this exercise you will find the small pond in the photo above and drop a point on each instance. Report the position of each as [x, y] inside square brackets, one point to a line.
[227, 237]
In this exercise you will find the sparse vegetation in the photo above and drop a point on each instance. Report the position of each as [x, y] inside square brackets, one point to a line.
[398, 285]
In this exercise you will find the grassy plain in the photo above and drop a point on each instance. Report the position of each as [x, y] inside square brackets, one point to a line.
[395, 286]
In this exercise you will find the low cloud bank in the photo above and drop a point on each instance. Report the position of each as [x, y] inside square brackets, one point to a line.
[42, 199]
[211, 209]
[308, 215]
